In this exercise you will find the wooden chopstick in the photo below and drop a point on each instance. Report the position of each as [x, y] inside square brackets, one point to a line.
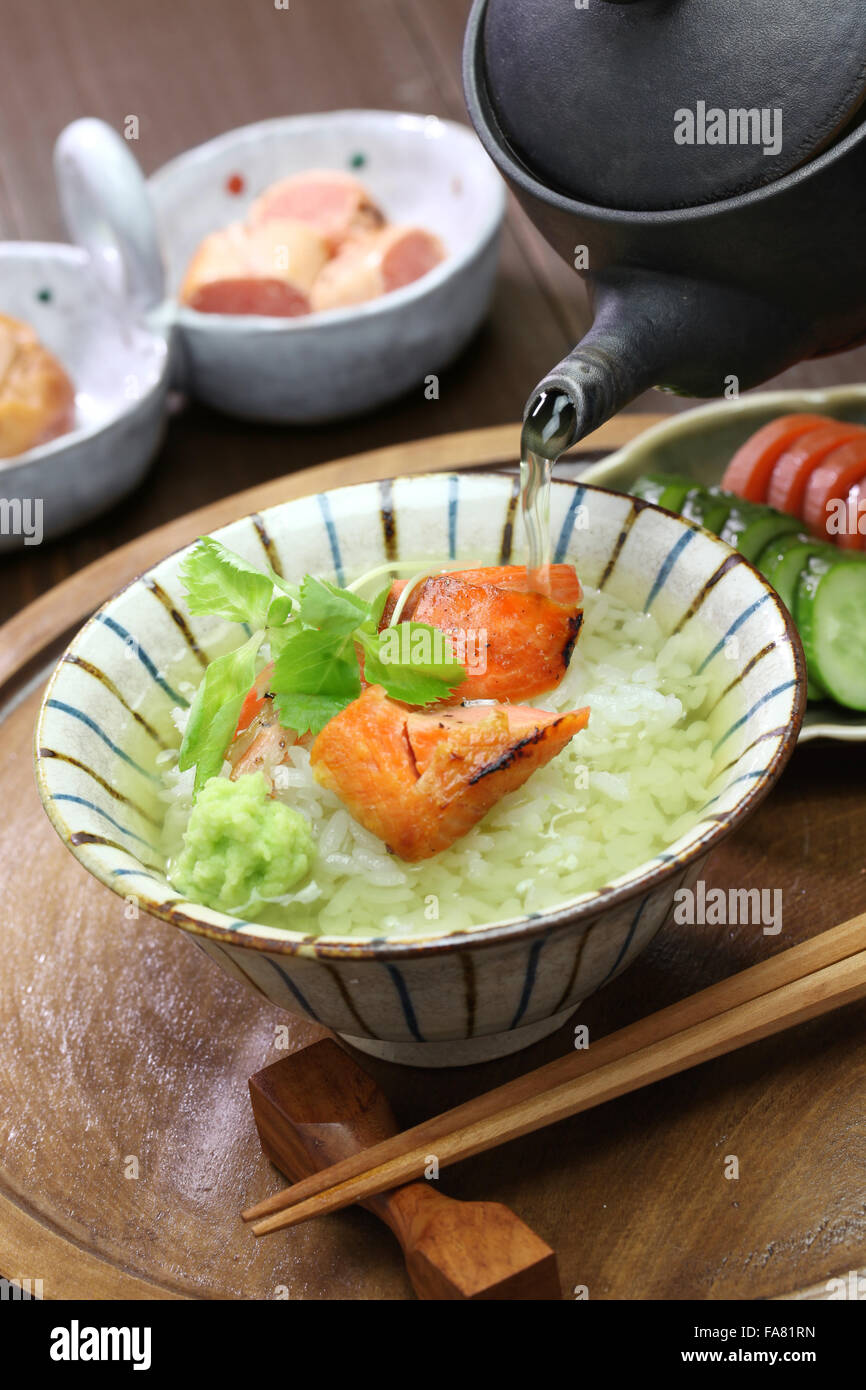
[795, 1003]
[677, 1037]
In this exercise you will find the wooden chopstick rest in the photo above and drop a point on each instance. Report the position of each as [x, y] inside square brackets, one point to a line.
[781, 969]
[317, 1106]
[798, 984]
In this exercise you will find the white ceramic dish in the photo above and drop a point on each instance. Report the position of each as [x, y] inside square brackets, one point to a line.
[325, 366]
[699, 443]
[120, 372]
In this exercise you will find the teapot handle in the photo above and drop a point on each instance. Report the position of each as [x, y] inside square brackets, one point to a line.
[677, 334]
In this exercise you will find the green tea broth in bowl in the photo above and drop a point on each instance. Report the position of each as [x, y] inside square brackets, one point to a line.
[629, 785]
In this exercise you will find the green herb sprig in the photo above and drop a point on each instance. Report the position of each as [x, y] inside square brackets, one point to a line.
[317, 635]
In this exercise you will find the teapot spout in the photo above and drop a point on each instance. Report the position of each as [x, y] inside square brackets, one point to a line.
[681, 335]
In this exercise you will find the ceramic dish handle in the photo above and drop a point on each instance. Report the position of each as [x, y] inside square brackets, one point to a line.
[107, 211]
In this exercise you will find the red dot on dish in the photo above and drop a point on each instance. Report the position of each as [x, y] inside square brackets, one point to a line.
[235, 183]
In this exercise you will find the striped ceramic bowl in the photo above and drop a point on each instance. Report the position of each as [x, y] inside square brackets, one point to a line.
[450, 997]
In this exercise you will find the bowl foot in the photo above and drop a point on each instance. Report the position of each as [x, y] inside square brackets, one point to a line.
[462, 1052]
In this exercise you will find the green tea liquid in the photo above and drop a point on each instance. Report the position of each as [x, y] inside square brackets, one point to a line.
[548, 430]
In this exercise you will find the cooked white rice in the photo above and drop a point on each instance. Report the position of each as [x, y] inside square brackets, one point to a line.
[623, 789]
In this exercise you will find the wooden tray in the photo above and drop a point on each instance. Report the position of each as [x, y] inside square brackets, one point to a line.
[126, 1050]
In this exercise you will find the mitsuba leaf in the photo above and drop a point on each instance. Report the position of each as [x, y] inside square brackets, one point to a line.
[414, 662]
[377, 608]
[307, 713]
[215, 710]
[317, 663]
[330, 609]
[221, 583]
[280, 611]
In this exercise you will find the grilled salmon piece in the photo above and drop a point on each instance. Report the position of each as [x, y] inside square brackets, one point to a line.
[258, 696]
[264, 746]
[427, 730]
[262, 749]
[421, 781]
[261, 743]
[558, 582]
[514, 640]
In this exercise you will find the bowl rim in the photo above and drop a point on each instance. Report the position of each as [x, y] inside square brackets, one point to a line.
[454, 262]
[393, 948]
[78, 258]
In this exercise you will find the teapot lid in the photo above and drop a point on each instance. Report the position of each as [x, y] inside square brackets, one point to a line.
[654, 104]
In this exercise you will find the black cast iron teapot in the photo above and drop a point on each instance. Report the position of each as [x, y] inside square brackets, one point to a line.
[702, 163]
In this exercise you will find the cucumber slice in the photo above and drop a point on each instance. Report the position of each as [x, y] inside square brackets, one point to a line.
[708, 509]
[738, 518]
[758, 531]
[813, 578]
[675, 495]
[653, 486]
[830, 609]
[778, 549]
[784, 573]
[781, 563]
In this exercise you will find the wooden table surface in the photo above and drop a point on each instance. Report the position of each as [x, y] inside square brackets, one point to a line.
[190, 69]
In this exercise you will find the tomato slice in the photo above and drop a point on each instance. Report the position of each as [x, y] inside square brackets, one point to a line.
[830, 483]
[797, 464]
[748, 472]
[855, 510]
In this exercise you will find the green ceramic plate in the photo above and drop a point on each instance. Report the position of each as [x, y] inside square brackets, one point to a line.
[699, 444]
